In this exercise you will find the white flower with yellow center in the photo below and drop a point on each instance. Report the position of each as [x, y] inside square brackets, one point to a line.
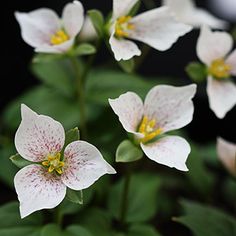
[42, 185]
[165, 108]
[185, 11]
[46, 32]
[213, 49]
[156, 27]
[227, 155]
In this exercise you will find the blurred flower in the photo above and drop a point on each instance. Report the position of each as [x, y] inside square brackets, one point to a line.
[88, 31]
[42, 185]
[227, 155]
[213, 50]
[165, 108]
[43, 30]
[156, 27]
[185, 11]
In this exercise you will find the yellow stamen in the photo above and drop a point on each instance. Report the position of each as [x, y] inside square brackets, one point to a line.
[219, 69]
[122, 26]
[147, 129]
[53, 162]
[59, 37]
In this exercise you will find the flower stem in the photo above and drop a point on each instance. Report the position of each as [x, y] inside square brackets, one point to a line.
[125, 200]
[58, 216]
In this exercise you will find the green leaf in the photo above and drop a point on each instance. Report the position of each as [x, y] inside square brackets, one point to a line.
[204, 220]
[19, 161]
[84, 49]
[74, 196]
[142, 204]
[142, 230]
[77, 230]
[104, 84]
[135, 8]
[56, 74]
[52, 230]
[97, 20]
[20, 231]
[127, 66]
[46, 57]
[128, 152]
[196, 71]
[71, 136]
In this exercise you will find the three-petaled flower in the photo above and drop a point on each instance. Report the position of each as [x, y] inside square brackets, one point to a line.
[43, 30]
[156, 27]
[42, 185]
[165, 108]
[185, 11]
[227, 154]
[213, 49]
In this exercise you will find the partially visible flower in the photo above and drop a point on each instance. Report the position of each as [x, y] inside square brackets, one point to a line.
[88, 31]
[46, 32]
[185, 11]
[213, 49]
[227, 155]
[42, 185]
[165, 108]
[156, 27]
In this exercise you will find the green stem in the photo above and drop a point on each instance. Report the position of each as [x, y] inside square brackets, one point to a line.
[125, 200]
[58, 216]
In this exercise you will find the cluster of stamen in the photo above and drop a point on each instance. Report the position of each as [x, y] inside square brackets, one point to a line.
[54, 162]
[59, 37]
[147, 129]
[122, 26]
[219, 69]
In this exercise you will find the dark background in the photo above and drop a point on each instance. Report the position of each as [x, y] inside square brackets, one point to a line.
[17, 78]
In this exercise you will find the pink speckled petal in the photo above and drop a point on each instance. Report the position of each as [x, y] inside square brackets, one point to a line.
[73, 18]
[37, 189]
[231, 60]
[221, 95]
[122, 7]
[38, 135]
[213, 45]
[170, 106]
[171, 151]
[84, 165]
[129, 108]
[227, 154]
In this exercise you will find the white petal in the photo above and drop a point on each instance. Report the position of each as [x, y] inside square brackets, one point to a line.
[179, 7]
[84, 165]
[157, 28]
[231, 60]
[227, 154]
[88, 31]
[37, 189]
[123, 49]
[38, 135]
[129, 108]
[73, 18]
[213, 45]
[38, 26]
[122, 7]
[171, 151]
[170, 106]
[60, 48]
[221, 95]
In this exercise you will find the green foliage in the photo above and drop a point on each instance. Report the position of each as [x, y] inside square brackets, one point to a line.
[142, 230]
[21, 231]
[204, 220]
[127, 66]
[74, 196]
[84, 49]
[71, 136]
[77, 230]
[128, 152]
[19, 161]
[135, 8]
[98, 21]
[196, 71]
[142, 204]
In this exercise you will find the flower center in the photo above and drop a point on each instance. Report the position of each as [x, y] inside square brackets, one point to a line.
[59, 37]
[122, 26]
[219, 69]
[53, 162]
[147, 129]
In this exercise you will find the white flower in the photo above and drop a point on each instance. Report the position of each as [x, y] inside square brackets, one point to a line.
[227, 155]
[46, 32]
[185, 11]
[213, 49]
[165, 108]
[42, 185]
[156, 27]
